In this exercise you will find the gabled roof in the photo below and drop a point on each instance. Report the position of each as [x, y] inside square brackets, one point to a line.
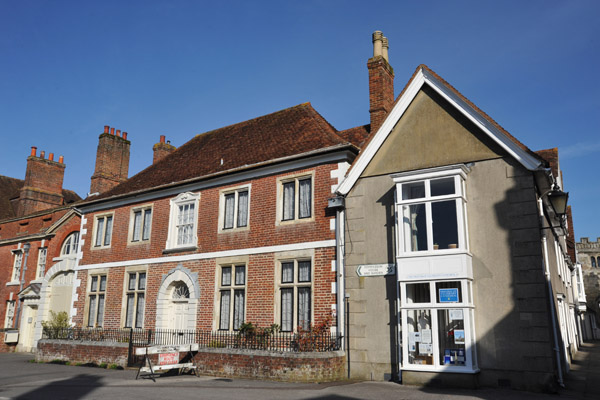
[294, 131]
[10, 189]
[423, 75]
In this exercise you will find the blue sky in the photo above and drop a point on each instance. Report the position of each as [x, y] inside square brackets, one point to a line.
[179, 68]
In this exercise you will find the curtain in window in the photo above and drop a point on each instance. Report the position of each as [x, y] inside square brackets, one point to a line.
[288, 200]
[304, 199]
[99, 230]
[240, 274]
[287, 309]
[238, 308]
[287, 272]
[94, 284]
[100, 316]
[139, 317]
[242, 217]
[304, 271]
[146, 230]
[226, 276]
[142, 281]
[225, 300]
[229, 210]
[92, 311]
[103, 283]
[304, 307]
[415, 225]
[131, 285]
[75, 244]
[108, 232]
[17, 269]
[129, 312]
[185, 224]
[42, 262]
[137, 225]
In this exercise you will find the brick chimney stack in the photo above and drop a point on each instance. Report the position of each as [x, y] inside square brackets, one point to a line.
[42, 188]
[112, 161]
[162, 149]
[381, 82]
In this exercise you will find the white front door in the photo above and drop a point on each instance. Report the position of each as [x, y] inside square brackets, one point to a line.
[179, 314]
[28, 325]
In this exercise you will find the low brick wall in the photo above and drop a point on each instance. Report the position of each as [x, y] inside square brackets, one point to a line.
[256, 364]
[82, 352]
[7, 347]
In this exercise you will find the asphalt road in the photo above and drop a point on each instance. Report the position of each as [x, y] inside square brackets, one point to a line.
[22, 379]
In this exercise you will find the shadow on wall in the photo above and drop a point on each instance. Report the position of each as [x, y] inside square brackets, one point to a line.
[73, 388]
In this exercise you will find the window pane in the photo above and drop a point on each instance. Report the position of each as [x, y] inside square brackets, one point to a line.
[304, 307]
[441, 187]
[415, 227]
[418, 293]
[139, 315]
[67, 246]
[287, 272]
[226, 276]
[229, 210]
[100, 316]
[108, 232]
[92, 311]
[102, 283]
[94, 285]
[75, 243]
[452, 337]
[131, 285]
[287, 308]
[225, 300]
[240, 274]
[147, 224]
[288, 200]
[142, 281]
[238, 309]
[420, 337]
[415, 190]
[129, 312]
[445, 225]
[242, 217]
[303, 271]
[304, 198]
[99, 230]
[137, 225]
[447, 294]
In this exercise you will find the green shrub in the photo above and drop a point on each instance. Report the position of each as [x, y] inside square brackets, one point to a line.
[57, 327]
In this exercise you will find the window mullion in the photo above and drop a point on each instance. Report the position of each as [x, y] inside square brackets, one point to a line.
[235, 208]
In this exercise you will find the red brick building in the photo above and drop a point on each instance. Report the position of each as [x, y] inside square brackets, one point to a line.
[38, 230]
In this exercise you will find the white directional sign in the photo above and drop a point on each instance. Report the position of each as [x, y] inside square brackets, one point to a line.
[376, 269]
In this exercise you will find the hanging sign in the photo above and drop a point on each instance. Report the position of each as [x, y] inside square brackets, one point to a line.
[376, 269]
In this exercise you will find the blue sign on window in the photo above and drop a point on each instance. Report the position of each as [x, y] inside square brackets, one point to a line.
[449, 295]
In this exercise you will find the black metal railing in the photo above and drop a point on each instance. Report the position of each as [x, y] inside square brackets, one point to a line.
[272, 341]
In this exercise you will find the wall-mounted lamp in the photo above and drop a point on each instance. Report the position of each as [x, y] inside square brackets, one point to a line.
[558, 199]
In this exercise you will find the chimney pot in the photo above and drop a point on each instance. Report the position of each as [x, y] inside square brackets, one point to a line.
[112, 131]
[162, 138]
[125, 135]
[61, 159]
[385, 48]
[106, 128]
[118, 132]
[33, 150]
[51, 157]
[42, 154]
[377, 43]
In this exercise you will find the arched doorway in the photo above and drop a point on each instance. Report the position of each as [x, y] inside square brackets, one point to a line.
[177, 300]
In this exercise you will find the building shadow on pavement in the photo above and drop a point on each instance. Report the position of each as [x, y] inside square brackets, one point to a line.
[73, 388]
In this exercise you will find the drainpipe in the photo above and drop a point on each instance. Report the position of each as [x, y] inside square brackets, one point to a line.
[551, 298]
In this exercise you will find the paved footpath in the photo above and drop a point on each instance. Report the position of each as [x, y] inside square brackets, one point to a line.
[22, 379]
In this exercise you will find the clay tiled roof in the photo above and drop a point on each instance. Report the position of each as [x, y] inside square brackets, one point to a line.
[10, 189]
[357, 136]
[551, 157]
[291, 132]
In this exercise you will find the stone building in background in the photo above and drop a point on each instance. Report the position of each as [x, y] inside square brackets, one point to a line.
[589, 256]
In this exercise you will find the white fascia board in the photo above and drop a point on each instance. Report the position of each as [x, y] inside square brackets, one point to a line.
[215, 254]
[338, 155]
[422, 77]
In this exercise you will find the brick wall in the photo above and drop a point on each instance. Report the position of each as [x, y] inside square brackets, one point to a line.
[82, 352]
[43, 185]
[112, 161]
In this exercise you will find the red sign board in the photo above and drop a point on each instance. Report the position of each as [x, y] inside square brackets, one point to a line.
[168, 358]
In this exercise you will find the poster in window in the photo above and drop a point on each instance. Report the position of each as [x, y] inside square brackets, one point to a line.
[455, 315]
[414, 336]
[425, 348]
[459, 336]
[426, 336]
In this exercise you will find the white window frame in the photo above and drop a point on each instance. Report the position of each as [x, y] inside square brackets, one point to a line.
[41, 262]
[142, 210]
[280, 198]
[181, 200]
[97, 293]
[459, 173]
[9, 319]
[135, 292]
[104, 234]
[17, 265]
[433, 306]
[222, 205]
[70, 245]
[231, 288]
[294, 285]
